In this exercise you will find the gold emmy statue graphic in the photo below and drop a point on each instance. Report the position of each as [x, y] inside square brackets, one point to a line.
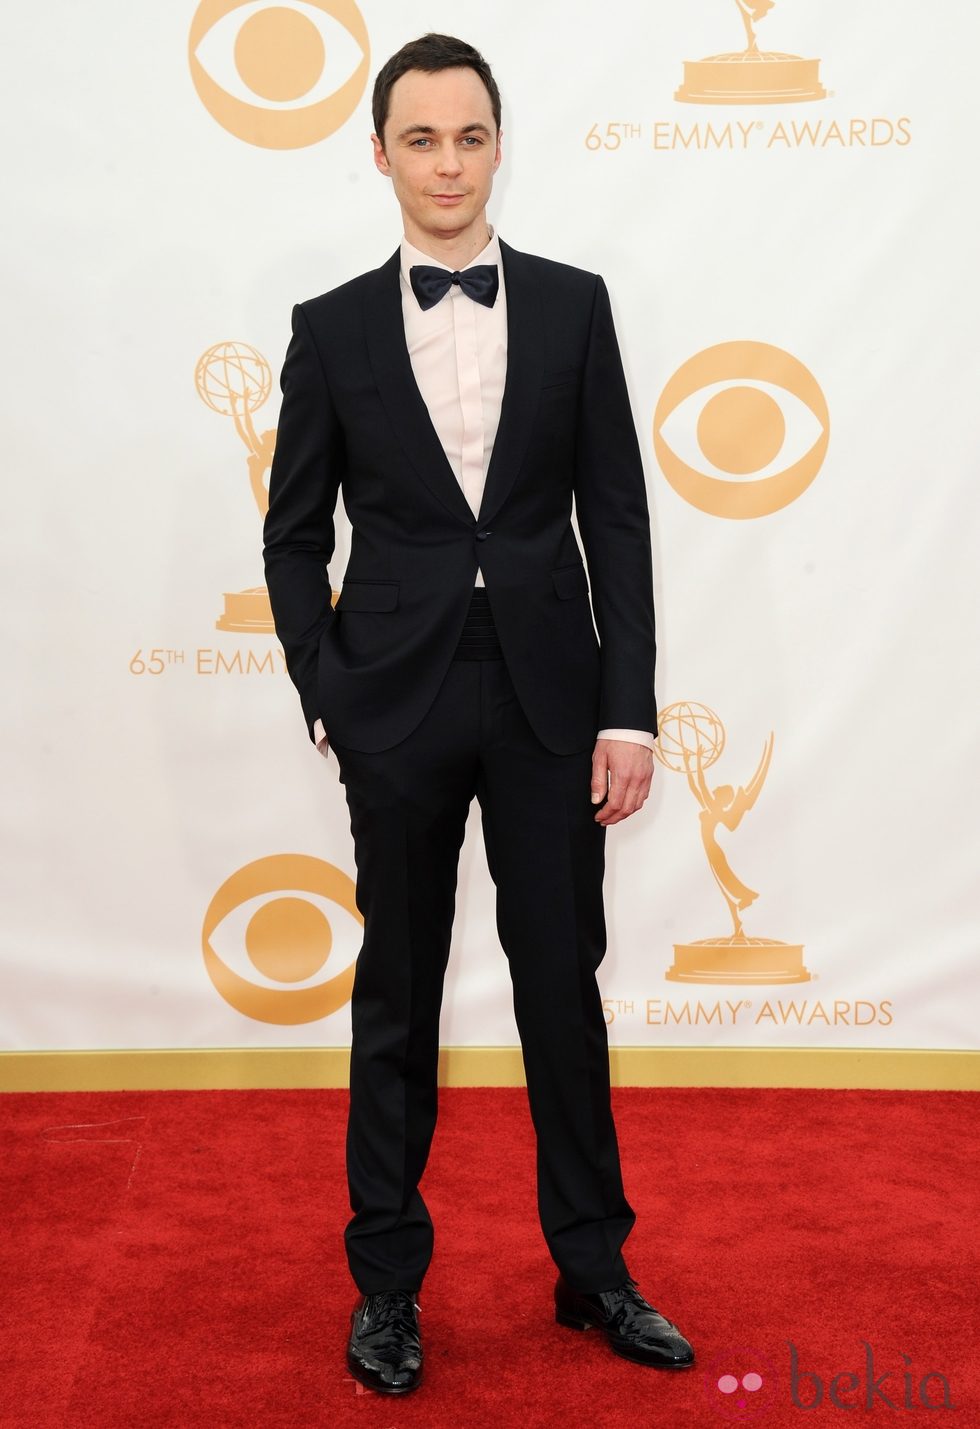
[690, 741]
[234, 379]
[751, 76]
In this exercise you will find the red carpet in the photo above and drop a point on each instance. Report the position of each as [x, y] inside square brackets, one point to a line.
[176, 1259]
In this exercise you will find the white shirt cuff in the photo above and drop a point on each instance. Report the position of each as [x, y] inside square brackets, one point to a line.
[634, 736]
[320, 736]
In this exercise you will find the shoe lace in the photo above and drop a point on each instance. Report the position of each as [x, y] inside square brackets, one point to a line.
[389, 1305]
[631, 1291]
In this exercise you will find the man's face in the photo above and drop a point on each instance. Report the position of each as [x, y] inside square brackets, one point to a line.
[441, 151]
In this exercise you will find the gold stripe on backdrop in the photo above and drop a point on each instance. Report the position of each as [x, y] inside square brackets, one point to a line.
[255, 1067]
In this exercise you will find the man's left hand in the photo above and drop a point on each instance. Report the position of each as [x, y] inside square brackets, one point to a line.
[624, 769]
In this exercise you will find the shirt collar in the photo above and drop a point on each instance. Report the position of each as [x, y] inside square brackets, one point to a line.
[410, 255]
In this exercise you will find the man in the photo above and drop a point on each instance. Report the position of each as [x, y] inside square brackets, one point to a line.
[463, 394]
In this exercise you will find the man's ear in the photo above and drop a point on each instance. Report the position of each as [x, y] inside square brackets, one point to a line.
[380, 157]
[498, 155]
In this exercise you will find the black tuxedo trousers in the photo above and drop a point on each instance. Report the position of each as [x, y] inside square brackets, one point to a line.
[545, 851]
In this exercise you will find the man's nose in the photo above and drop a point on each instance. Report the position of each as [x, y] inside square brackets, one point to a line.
[449, 160]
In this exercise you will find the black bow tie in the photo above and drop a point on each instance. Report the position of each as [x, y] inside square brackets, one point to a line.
[479, 283]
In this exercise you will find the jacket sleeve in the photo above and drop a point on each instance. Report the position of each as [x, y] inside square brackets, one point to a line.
[298, 531]
[614, 520]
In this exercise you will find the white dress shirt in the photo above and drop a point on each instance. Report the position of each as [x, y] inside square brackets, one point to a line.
[458, 350]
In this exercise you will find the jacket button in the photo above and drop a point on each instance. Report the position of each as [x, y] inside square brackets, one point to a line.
[482, 535]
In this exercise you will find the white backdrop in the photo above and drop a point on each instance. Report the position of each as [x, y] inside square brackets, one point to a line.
[149, 756]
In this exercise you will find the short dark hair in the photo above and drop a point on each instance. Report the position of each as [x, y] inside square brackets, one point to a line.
[429, 53]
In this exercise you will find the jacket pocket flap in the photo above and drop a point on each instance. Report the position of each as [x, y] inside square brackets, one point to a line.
[368, 595]
[570, 580]
[560, 377]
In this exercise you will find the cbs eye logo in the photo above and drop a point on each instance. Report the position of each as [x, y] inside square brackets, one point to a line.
[279, 76]
[287, 939]
[765, 448]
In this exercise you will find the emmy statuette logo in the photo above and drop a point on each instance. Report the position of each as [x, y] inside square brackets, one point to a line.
[690, 742]
[750, 100]
[279, 76]
[234, 380]
[751, 76]
[288, 938]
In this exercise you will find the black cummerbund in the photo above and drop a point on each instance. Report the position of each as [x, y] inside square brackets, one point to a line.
[479, 638]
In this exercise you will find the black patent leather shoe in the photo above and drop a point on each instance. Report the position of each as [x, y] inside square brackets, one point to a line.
[632, 1326]
[384, 1351]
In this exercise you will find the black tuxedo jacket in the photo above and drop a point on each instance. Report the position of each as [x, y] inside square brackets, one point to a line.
[353, 418]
